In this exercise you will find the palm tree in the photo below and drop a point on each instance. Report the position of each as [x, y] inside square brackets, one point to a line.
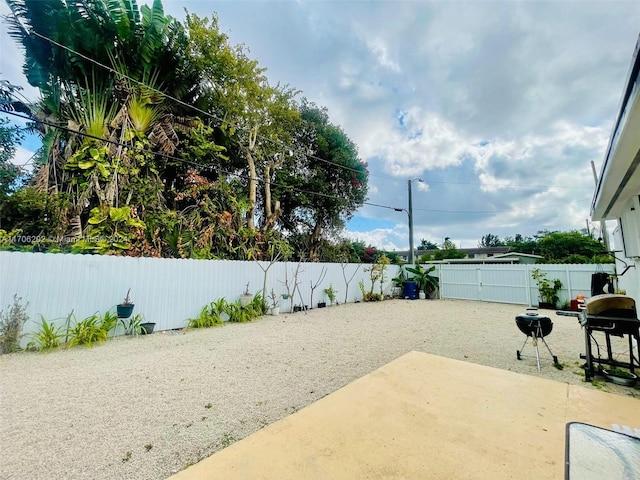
[120, 103]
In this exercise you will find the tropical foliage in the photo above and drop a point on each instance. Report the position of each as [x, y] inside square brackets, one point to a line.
[558, 247]
[160, 138]
[554, 247]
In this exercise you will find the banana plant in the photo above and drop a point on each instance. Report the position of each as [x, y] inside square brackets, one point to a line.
[426, 283]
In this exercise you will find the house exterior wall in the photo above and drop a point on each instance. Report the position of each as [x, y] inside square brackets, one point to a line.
[630, 279]
[629, 224]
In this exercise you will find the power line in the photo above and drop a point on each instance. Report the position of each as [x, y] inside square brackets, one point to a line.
[185, 104]
[188, 162]
[501, 184]
[482, 211]
[246, 129]
[245, 177]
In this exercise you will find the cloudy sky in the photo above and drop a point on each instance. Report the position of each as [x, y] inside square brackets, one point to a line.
[499, 106]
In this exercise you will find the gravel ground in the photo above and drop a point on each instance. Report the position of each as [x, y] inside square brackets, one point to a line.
[147, 407]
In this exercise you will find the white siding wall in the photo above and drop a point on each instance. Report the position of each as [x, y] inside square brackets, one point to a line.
[630, 280]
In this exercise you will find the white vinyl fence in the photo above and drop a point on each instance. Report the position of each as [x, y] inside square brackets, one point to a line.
[170, 291]
[507, 283]
[166, 291]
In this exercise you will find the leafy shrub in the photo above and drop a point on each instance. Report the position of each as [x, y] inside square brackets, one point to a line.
[242, 314]
[47, 338]
[131, 325]
[92, 329]
[369, 296]
[548, 288]
[210, 315]
[11, 324]
[258, 305]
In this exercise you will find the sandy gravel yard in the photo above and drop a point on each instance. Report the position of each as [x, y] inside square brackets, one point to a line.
[147, 407]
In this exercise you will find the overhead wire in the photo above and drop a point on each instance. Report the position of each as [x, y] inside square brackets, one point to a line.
[246, 129]
[209, 166]
[188, 105]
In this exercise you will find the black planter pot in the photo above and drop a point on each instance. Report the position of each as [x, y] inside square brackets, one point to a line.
[124, 311]
[322, 304]
[628, 380]
[547, 306]
[147, 328]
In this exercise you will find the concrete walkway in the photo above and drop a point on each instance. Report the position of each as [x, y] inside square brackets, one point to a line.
[424, 417]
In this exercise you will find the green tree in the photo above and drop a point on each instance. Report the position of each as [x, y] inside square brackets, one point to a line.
[10, 138]
[327, 184]
[427, 245]
[144, 44]
[449, 250]
[490, 240]
[237, 91]
[522, 244]
[557, 246]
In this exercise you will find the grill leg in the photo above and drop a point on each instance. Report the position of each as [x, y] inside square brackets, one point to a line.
[523, 345]
[535, 344]
[555, 359]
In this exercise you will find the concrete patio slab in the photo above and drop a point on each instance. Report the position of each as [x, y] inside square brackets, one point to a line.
[423, 417]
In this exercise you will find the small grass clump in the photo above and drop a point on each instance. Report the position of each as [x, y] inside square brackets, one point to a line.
[11, 323]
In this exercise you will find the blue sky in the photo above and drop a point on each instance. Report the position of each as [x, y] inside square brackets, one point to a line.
[499, 106]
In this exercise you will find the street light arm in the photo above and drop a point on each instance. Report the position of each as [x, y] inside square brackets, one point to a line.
[402, 210]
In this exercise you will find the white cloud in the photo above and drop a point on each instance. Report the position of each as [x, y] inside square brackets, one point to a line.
[23, 158]
[383, 238]
[379, 49]
[500, 107]
[423, 141]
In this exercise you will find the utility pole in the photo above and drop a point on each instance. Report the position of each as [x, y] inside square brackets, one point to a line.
[411, 257]
[410, 213]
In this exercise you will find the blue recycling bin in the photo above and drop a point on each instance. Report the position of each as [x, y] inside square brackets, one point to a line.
[410, 290]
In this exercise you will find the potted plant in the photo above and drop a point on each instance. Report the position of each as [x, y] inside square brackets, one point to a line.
[548, 289]
[425, 283]
[275, 304]
[619, 376]
[146, 328]
[125, 309]
[246, 298]
[330, 293]
[398, 284]
[131, 325]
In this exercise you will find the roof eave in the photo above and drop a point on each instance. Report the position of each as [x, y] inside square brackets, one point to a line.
[622, 159]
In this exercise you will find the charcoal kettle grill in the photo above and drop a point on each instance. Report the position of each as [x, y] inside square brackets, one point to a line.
[536, 326]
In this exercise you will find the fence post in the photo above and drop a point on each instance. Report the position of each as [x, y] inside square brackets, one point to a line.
[527, 282]
[566, 267]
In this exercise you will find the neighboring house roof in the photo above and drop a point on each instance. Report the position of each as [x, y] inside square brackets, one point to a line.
[467, 251]
[516, 254]
[620, 176]
[485, 250]
[476, 260]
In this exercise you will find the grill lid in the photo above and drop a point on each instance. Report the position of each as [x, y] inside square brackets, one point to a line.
[601, 304]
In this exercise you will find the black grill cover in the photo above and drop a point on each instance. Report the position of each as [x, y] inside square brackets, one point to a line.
[528, 323]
